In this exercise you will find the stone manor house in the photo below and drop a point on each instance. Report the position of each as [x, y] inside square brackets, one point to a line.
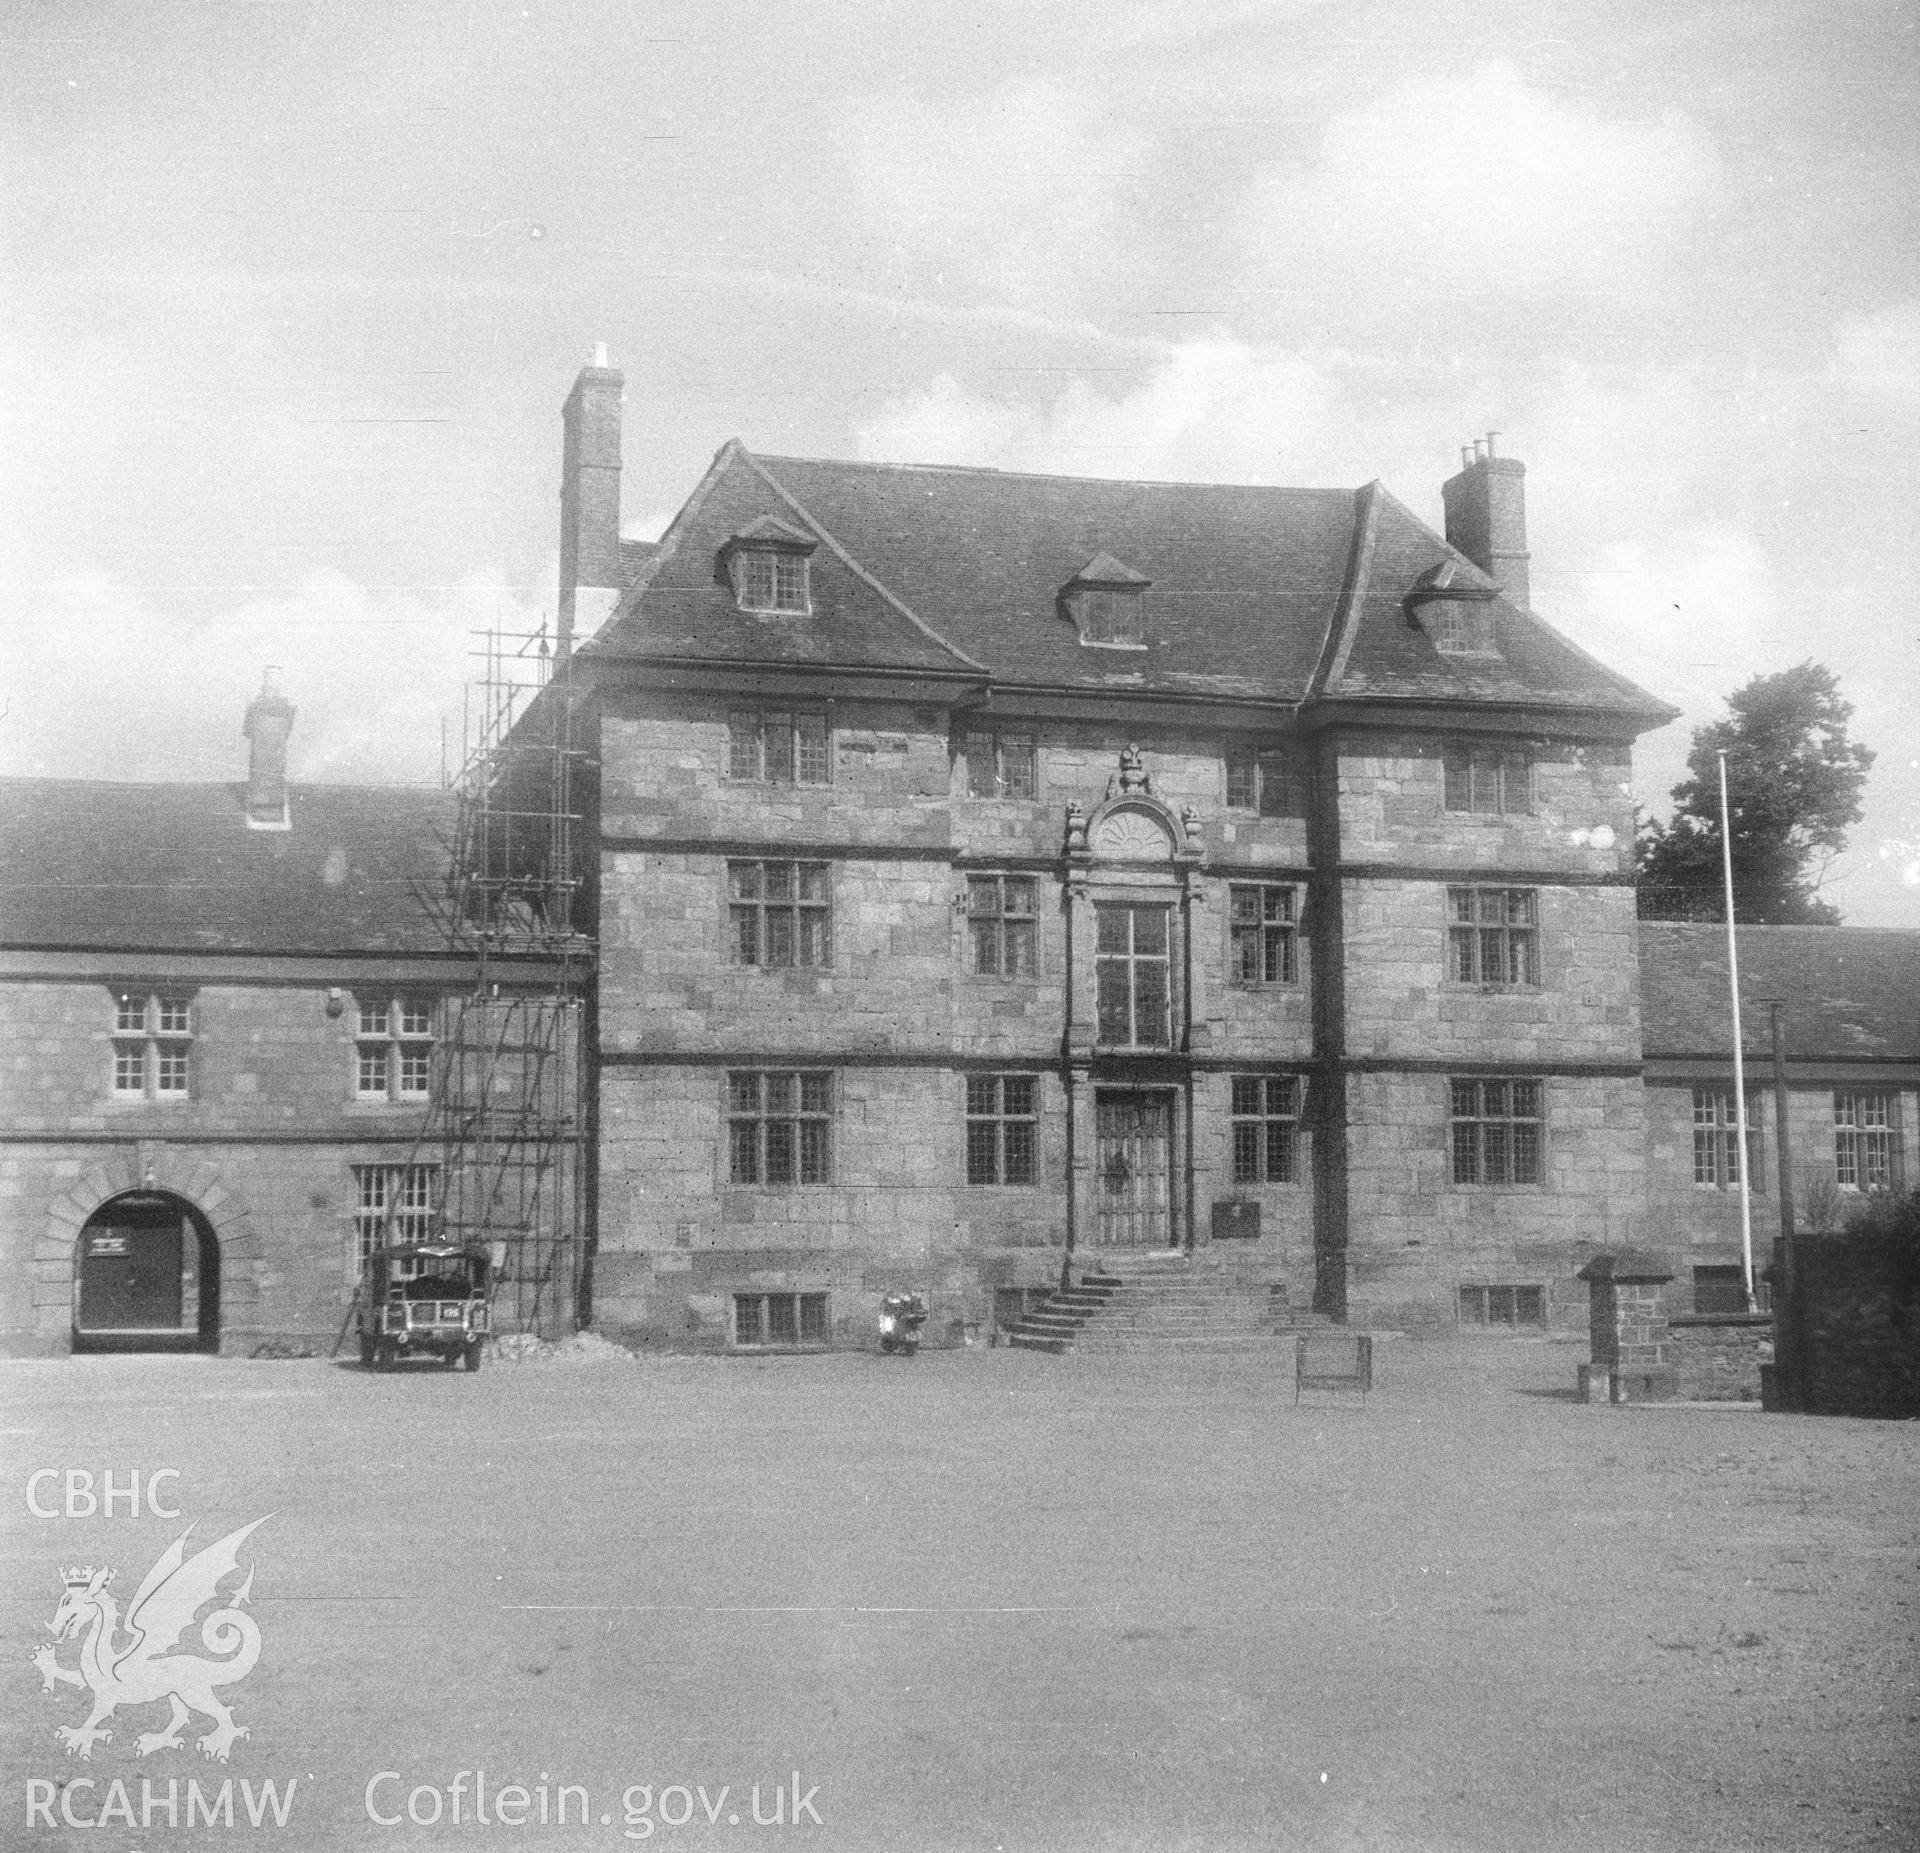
[989, 873]
[996, 871]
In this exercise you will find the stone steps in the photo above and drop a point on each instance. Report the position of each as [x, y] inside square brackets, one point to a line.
[1164, 1301]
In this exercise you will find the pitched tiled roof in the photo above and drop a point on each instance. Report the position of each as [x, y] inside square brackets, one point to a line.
[1853, 993]
[84, 863]
[1393, 655]
[1251, 590]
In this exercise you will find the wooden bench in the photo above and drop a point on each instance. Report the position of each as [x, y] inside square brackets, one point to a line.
[1333, 1361]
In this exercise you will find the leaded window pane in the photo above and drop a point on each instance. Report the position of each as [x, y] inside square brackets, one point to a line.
[745, 1142]
[1246, 1153]
[743, 745]
[777, 743]
[813, 764]
[1150, 1026]
[982, 1152]
[1019, 1151]
[1466, 1152]
[780, 1150]
[755, 579]
[790, 582]
[1115, 1003]
[982, 774]
[1496, 1135]
[814, 1166]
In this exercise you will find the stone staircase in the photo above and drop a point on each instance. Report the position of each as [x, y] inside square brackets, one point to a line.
[1162, 1300]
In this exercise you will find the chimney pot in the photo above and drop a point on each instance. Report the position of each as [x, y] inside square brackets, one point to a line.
[1487, 517]
[268, 722]
[589, 499]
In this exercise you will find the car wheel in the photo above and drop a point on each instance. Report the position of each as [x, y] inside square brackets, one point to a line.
[476, 1352]
[366, 1352]
[383, 1355]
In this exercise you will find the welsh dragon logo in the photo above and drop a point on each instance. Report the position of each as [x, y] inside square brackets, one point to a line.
[140, 1670]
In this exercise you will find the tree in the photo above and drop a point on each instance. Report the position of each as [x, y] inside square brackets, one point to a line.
[1886, 1214]
[1793, 786]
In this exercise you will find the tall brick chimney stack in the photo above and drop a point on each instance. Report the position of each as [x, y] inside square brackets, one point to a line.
[268, 723]
[1487, 516]
[590, 500]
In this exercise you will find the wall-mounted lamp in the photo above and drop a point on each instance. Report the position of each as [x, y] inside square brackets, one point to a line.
[336, 1000]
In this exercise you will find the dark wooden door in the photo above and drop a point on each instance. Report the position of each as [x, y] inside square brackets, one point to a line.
[1132, 1172]
[130, 1265]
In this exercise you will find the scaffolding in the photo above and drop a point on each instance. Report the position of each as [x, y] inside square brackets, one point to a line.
[505, 1117]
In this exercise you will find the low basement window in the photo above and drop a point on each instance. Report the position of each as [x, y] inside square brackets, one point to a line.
[779, 1321]
[1503, 1306]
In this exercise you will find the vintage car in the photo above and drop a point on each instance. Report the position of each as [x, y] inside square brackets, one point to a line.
[421, 1301]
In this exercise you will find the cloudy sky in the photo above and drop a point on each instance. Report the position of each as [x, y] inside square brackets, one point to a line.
[293, 290]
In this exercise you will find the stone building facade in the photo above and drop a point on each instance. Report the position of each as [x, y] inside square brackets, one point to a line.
[998, 871]
[222, 1005]
[1849, 1021]
[988, 876]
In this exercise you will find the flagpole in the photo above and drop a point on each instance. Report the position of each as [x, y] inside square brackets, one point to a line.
[1739, 1060]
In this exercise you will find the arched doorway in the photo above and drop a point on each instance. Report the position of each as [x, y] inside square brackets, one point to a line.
[146, 1276]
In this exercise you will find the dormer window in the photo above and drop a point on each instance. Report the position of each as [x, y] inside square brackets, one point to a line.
[1105, 601]
[770, 581]
[1454, 610]
[767, 565]
[1459, 630]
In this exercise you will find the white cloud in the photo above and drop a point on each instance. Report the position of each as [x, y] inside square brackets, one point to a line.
[1215, 411]
[372, 673]
[1879, 354]
[1008, 193]
[1484, 185]
[1690, 616]
[1683, 611]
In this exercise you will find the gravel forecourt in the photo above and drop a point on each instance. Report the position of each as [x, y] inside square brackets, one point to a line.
[981, 1599]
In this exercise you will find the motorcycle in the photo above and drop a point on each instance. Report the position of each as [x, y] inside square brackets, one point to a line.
[901, 1317]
